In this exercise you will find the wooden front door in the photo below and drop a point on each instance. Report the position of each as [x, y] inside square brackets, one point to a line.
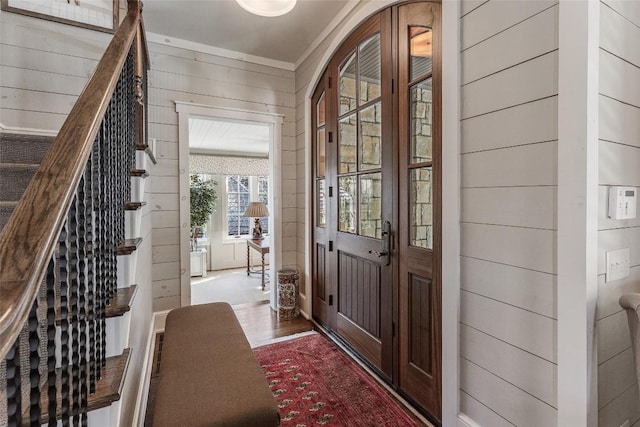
[376, 210]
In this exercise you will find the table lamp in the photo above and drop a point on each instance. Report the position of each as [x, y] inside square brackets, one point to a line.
[257, 210]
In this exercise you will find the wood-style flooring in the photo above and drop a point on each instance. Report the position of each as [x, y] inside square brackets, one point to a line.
[260, 325]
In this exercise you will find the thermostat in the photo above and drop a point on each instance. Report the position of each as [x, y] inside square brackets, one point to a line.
[622, 202]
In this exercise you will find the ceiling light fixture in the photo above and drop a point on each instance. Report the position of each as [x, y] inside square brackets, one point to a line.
[269, 8]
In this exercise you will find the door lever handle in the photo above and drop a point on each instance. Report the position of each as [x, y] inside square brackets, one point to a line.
[379, 254]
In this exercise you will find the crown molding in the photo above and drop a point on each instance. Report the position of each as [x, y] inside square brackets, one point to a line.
[212, 50]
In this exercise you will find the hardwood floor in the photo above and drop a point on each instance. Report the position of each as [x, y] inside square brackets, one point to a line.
[260, 325]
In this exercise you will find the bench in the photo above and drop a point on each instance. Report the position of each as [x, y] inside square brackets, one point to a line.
[209, 375]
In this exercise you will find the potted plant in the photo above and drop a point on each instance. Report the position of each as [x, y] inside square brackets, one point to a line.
[203, 201]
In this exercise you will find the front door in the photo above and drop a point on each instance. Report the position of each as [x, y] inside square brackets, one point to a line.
[376, 200]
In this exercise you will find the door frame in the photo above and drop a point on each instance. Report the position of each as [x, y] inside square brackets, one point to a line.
[450, 159]
[274, 121]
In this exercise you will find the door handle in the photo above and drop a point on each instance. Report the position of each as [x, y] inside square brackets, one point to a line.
[379, 254]
[386, 243]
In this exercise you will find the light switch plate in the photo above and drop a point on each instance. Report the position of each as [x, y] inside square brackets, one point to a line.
[617, 264]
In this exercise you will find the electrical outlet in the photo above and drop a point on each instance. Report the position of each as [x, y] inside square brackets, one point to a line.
[617, 264]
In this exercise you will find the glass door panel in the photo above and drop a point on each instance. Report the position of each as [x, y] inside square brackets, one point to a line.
[321, 220]
[347, 210]
[347, 147]
[421, 122]
[347, 92]
[421, 51]
[421, 201]
[370, 145]
[369, 69]
[371, 205]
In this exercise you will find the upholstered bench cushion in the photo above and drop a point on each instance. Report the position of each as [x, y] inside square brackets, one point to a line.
[208, 373]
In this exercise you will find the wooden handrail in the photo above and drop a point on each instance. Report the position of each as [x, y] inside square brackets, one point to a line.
[28, 240]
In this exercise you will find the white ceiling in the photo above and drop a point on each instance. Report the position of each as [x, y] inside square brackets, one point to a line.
[224, 24]
[208, 136]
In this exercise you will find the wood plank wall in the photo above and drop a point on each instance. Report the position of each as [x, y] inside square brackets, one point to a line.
[509, 74]
[44, 67]
[183, 75]
[619, 161]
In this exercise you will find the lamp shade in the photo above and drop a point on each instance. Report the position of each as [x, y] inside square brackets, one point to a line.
[256, 210]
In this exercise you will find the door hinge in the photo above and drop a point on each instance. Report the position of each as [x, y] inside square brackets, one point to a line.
[393, 329]
[330, 299]
[331, 191]
[330, 137]
[330, 245]
[329, 82]
[392, 85]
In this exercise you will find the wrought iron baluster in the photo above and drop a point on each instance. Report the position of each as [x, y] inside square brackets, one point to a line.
[14, 393]
[64, 325]
[51, 345]
[93, 266]
[73, 281]
[82, 296]
[34, 366]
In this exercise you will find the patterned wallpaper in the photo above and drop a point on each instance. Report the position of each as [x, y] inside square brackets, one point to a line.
[219, 165]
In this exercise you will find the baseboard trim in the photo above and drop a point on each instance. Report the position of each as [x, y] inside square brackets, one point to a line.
[157, 325]
[27, 131]
[465, 421]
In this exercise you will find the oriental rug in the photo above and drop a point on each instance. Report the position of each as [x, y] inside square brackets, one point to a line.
[314, 383]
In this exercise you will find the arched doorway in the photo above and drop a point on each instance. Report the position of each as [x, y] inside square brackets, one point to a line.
[376, 131]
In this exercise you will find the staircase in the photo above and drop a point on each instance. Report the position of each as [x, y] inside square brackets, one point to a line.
[20, 157]
[69, 218]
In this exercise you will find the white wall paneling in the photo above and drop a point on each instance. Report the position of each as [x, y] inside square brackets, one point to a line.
[511, 46]
[529, 81]
[512, 126]
[523, 329]
[515, 405]
[509, 205]
[481, 414]
[520, 287]
[495, 17]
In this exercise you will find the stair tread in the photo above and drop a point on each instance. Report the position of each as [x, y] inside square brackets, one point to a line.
[147, 149]
[121, 302]
[108, 388]
[128, 246]
[132, 206]
[141, 173]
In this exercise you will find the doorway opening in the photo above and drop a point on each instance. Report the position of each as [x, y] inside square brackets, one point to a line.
[238, 152]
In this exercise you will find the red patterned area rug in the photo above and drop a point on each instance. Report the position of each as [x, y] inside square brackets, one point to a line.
[314, 384]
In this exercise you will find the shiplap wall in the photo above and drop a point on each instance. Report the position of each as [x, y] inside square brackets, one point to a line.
[619, 164]
[44, 67]
[183, 75]
[509, 74]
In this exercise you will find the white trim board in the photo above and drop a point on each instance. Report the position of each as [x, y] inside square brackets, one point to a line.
[275, 121]
[217, 51]
[577, 212]
[140, 409]
[27, 131]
